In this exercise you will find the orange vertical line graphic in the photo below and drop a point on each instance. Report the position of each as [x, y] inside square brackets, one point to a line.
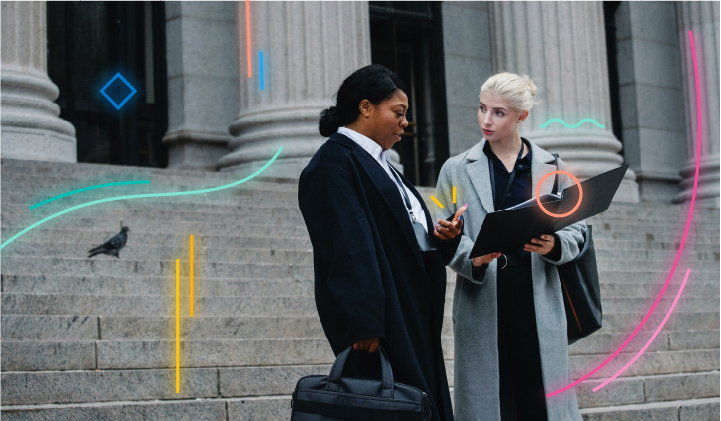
[247, 29]
[454, 194]
[177, 325]
[191, 275]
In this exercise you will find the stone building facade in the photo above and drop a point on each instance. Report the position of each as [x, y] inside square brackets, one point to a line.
[627, 65]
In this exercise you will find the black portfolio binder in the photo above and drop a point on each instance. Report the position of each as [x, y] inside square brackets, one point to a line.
[506, 230]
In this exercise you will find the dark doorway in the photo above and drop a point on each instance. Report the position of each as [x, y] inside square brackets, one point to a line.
[407, 37]
[88, 44]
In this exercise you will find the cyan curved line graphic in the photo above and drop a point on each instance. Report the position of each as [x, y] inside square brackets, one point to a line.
[118, 183]
[137, 196]
[558, 120]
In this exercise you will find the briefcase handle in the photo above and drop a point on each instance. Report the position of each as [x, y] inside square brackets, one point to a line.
[386, 372]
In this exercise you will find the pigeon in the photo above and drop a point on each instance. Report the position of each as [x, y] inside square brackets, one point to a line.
[113, 246]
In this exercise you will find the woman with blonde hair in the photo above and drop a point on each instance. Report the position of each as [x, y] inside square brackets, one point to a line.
[509, 323]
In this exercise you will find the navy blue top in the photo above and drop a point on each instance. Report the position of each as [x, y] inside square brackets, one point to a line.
[521, 187]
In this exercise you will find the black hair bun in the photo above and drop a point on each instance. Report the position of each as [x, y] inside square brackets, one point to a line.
[329, 121]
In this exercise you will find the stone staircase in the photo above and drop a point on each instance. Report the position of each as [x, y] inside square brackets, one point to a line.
[94, 339]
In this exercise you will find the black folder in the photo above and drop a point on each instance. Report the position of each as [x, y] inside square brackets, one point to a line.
[507, 230]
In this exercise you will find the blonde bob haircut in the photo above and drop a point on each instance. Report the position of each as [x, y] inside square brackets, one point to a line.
[518, 90]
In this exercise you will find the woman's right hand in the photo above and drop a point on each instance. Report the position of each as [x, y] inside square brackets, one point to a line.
[370, 345]
[482, 260]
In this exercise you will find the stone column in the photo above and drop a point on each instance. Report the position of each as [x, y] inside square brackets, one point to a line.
[561, 45]
[308, 49]
[31, 128]
[202, 81]
[649, 77]
[702, 19]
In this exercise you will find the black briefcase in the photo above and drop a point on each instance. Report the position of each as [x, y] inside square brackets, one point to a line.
[332, 397]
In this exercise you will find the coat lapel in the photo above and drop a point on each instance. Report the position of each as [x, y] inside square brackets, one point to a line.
[477, 169]
[388, 191]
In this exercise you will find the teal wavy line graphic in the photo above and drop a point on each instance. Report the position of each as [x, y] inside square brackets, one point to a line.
[118, 183]
[137, 196]
[558, 120]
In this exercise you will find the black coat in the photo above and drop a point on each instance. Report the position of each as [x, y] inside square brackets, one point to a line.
[371, 278]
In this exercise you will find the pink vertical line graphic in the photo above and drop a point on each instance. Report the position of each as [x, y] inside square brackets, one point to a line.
[247, 33]
[683, 240]
[638, 354]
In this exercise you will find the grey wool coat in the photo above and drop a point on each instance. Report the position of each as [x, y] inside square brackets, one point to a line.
[476, 379]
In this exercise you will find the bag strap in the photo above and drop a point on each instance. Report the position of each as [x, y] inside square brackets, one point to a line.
[555, 181]
[386, 372]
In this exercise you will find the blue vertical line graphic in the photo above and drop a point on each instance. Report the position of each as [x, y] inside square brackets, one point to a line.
[262, 86]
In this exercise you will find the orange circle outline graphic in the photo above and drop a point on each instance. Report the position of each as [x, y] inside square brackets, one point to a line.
[580, 194]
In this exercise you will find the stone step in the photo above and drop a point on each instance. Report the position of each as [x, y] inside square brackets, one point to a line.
[104, 173]
[261, 199]
[187, 410]
[276, 408]
[19, 388]
[254, 239]
[262, 236]
[270, 255]
[107, 265]
[37, 188]
[679, 321]
[63, 387]
[87, 328]
[62, 173]
[295, 226]
[673, 235]
[649, 363]
[702, 286]
[240, 199]
[154, 305]
[159, 253]
[681, 410]
[181, 234]
[287, 306]
[648, 389]
[63, 236]
[269, 225]
[42, 387]
[250, 215]
[155, 353]
[93, 218]
[634, 305]
[240, 204]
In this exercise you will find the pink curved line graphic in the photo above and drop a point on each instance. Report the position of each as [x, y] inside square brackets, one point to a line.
[683, 240]
[663, 322]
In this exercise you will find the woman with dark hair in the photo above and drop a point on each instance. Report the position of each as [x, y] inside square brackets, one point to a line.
[380, 276]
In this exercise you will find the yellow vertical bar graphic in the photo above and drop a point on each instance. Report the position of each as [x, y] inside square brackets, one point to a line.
[191, 275]
[454, 195]
[177, 325]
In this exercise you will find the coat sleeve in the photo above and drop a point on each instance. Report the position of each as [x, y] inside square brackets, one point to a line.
[341, 234]
[460, 262]
[571, 237]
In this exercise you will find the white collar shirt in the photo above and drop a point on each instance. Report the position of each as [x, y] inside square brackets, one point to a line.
[383, 158]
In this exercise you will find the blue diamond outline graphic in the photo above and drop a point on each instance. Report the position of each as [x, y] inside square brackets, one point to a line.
[115, 104]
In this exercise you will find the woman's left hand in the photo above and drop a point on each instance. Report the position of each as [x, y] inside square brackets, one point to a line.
[448, 230]
[542, 246]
